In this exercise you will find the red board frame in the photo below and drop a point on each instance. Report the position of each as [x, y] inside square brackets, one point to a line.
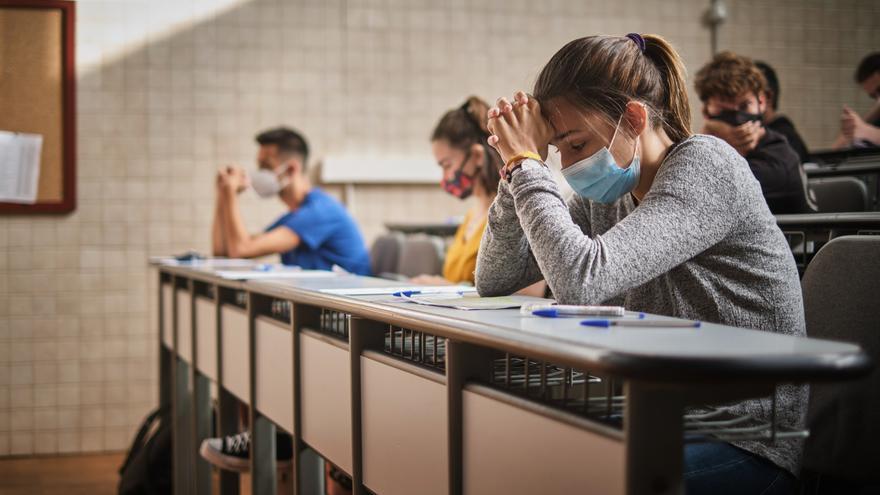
[68, 36]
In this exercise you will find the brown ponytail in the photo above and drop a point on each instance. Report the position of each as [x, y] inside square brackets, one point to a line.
[604, 73]
[677, 120]
[465, 126]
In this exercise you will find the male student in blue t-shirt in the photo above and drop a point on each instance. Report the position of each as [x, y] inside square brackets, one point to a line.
[317, 233]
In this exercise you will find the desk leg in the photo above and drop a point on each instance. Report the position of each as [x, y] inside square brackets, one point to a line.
[263, 468]
[182, 434]
[464, 362]
[165, 354]
[363, 335]
[202, 418]
[228, 418]
[654, 444]
[311, 472]
[165, 384]
[308, 467]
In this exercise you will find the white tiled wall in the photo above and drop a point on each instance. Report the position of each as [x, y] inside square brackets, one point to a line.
[171, 89]
[815, 47]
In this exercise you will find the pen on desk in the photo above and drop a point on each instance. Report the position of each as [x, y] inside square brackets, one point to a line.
[642, 323]
[406, 293]
[555, 311]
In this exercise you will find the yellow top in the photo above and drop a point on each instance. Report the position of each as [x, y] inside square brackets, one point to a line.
[461, 258]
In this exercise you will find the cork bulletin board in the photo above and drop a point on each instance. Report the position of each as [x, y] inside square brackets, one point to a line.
[37, 94]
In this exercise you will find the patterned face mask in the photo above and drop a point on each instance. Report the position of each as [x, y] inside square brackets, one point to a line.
[461, 185]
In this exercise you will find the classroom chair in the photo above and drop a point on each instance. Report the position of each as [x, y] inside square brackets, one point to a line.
[385, 254]
[841, 287]
[421, 254]
[840, 194]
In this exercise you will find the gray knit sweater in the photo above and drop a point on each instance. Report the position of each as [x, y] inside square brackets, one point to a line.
[701, 245]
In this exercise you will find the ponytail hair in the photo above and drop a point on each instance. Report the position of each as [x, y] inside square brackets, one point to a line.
[677, 118]
[465, 126]
[604, 73]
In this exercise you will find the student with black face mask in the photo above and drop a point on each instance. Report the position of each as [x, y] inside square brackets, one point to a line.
[733, 92]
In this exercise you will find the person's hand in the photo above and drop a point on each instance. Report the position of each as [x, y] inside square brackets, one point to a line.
[518, 127]
[232, 178]
[747, 136]
[852, 126]
[744, 138]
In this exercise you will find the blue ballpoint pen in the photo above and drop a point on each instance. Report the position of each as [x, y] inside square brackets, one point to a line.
[642, 323]
[406, 293]
[558, 310]
[553, 313]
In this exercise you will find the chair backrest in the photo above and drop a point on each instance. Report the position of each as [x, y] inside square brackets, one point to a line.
[840, 194]
[842, 302]
[421, 254]
[385, 253]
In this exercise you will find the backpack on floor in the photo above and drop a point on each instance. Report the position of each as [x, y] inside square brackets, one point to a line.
[147, 467]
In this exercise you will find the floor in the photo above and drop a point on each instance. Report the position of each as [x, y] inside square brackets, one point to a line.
[62, 475]
[72, 475]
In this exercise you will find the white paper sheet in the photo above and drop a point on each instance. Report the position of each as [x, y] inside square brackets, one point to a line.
[472, 301]
[204, 263]
[19, 166]
[275, 273]
[379, 291]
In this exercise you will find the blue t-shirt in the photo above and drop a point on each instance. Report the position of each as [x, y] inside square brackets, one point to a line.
[328, 236]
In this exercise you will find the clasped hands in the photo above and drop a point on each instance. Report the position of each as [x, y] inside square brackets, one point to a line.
[852, 126]
[518, 127]
[232, 178]
[743, 138]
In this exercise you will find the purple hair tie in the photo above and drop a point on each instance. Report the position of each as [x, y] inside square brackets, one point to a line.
[637, 38]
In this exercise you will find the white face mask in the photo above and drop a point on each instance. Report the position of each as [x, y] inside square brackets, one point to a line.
[266, 183]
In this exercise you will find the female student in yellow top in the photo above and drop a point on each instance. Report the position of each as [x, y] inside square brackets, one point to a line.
[470, 168]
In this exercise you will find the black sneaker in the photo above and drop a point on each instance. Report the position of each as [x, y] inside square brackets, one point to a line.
[233, 452]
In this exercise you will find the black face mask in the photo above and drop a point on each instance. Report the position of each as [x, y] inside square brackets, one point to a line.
[736, 117]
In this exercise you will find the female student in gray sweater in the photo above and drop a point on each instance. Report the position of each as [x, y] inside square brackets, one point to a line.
[664, 222]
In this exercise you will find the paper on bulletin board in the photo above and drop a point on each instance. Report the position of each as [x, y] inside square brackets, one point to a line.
[19, 166]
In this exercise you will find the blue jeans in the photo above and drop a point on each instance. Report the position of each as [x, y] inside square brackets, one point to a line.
[721, 468]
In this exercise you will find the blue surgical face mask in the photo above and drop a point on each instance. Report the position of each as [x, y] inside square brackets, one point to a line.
[599, 178]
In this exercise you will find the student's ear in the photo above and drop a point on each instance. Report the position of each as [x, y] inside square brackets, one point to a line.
[294, 167]
[762, 102]
[768, 97]
[478, 153]
[637, 117]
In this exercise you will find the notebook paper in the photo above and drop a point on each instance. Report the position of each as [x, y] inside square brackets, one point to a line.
[469, 302]
[276, 273]
[381, 291]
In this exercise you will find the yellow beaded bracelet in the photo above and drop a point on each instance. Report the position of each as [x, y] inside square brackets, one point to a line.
[515, 163]
[522, 155]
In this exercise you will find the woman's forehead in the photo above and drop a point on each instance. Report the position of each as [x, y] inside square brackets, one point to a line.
[566, 119]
